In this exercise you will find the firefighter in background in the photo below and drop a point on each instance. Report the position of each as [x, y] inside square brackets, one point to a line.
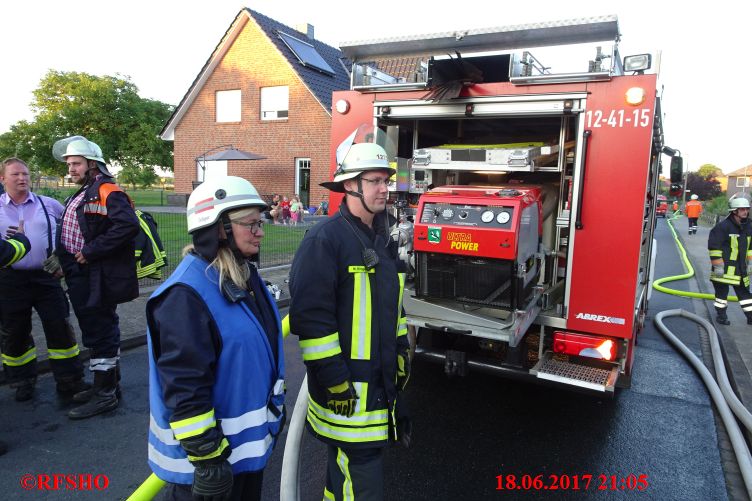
[346, 287]
[693, 209]
[11, 250]
[95, 246]
[675, 206]
[730, 252]
[216, 363]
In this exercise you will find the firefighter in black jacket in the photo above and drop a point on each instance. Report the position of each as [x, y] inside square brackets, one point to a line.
[730, 248]
[15, 248]
[97, 253]
[346, 286]
[12, 250]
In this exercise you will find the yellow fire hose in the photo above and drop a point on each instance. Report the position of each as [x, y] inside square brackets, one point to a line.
[657, 284]
[153, 484]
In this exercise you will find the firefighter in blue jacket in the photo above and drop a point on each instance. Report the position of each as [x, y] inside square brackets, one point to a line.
[216, 370]
[346, 286]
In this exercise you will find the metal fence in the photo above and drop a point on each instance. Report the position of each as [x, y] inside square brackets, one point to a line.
[277, 248]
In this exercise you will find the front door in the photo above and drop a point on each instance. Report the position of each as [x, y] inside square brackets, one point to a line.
[303, 180]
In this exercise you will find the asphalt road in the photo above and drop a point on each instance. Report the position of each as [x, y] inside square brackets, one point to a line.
[467, 433]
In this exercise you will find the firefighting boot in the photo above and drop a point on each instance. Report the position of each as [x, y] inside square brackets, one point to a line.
[25, 389]
[103, 398]
[85, 394]
[721, 317]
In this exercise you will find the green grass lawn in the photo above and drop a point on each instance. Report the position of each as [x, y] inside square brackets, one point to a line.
[278, 247]
[142, 198]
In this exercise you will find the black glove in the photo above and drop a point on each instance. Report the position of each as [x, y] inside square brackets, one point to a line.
[403, 425]
[208, 452]
[403, 370]
[341, 399]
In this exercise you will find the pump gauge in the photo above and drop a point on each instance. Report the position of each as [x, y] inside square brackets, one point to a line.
[502, 218]
[487, 216]
[447, 213]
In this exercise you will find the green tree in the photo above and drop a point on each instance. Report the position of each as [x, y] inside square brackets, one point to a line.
[709, 171]
[106, 109]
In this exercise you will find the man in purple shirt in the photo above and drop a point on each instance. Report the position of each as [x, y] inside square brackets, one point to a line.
[25, 285]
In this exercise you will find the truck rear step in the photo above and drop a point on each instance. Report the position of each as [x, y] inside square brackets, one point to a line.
[576, 374]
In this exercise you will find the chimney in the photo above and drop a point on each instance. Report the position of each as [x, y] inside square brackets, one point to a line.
[307, 29]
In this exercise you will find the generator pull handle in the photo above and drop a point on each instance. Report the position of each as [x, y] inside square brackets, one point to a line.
[578, 220]
[448, 330]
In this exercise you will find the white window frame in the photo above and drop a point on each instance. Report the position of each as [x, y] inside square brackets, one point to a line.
[228, 106]
[275, 102]
[744, 182]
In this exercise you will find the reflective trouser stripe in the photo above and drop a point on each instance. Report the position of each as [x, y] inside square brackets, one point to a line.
[746, 304]
[20, 360]
[103, 364]
[62, 354]
[192, 426]
[720, 303]
[344, 466]
[361, 320]
[19, 249]
[322, 347]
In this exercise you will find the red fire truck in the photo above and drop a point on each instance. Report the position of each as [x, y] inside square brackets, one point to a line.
[525, 197]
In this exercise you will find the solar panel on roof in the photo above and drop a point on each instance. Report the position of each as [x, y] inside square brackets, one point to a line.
[306, 53]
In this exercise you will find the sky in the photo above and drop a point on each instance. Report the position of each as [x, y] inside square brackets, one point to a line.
[163, 44]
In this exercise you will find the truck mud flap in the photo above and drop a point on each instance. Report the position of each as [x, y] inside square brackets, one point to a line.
[574, 373]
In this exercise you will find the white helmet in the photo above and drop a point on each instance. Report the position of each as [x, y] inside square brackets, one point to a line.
[216, 196]
[694, 197]
[738, 203]
[82, 147]
[360, 158]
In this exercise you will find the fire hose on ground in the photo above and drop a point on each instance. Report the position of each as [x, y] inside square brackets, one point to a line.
[726, 402]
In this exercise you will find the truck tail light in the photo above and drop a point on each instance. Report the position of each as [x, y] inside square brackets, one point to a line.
[585, 346]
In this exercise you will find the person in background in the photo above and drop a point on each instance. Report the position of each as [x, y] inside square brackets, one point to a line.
[11, 250]
[346, 285]
[730, 251]
[285, 206]
[275, 211]
[96, 247]
[693, 209]
[26, 285]
[675, 206]
[216, 361]
[295, 210]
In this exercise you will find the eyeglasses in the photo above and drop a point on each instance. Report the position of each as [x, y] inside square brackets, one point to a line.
[254, 226]
[379, 182]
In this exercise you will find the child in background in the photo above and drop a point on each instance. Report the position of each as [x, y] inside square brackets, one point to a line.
[295, 207]
[285, 205]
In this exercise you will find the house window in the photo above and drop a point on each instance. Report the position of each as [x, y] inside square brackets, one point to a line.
[274, 102]
[228, 105]
[742, 182]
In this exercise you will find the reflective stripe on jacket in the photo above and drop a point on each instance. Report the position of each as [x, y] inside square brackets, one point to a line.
[248, 392]
[351, 326]
[732, 243]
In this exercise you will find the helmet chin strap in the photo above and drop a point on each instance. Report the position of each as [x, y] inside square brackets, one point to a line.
[359, 194]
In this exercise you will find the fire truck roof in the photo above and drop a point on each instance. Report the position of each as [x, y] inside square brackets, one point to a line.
[569, 31]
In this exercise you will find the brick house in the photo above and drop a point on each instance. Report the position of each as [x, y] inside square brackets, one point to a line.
[739, 180]
[266, 88]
